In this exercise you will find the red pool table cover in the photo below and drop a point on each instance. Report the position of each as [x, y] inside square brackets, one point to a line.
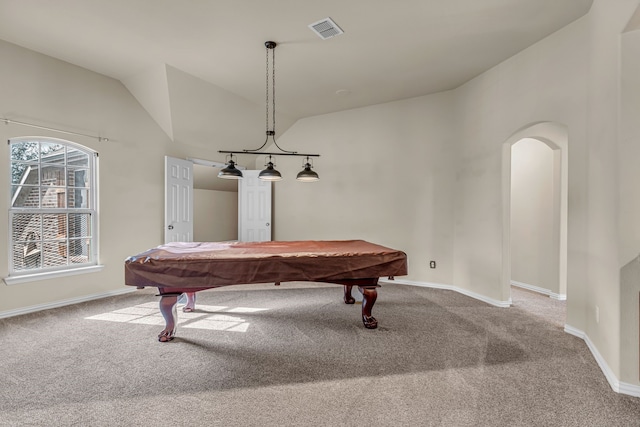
[215, 264]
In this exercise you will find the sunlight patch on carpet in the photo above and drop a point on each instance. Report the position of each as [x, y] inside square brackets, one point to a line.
[204, 317]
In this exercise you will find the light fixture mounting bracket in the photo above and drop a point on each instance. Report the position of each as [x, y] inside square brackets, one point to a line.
[270, 45]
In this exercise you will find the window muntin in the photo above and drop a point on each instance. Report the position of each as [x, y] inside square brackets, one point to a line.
[52, 215]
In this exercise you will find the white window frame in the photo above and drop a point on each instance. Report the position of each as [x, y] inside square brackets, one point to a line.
[39, 273]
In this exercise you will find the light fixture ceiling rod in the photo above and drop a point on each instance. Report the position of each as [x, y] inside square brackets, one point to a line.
[270, 109]
[268, 154]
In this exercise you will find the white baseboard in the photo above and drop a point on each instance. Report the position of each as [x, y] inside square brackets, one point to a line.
[491, 301]
[614, 382]
[47, 306]
[543, 291]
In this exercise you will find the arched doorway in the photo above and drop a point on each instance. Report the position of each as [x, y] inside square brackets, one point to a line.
[535, 210]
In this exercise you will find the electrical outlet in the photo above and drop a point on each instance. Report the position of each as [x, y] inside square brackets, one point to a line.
[432, 264]
[597, 314]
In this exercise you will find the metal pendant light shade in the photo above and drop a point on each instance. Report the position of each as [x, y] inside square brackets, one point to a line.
[230, 172]
[307, 175]
[270, 174]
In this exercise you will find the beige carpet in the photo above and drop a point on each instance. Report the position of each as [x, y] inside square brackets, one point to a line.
[541, 306]
[298, 356]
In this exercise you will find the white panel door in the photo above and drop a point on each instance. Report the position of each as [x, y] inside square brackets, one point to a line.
[254, 208]
[178, 202]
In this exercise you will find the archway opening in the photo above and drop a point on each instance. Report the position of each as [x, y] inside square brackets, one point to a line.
[534, 230]
[535, 219]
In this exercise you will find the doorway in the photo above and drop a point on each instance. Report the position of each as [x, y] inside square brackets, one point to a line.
[535, 214]
[215, 205]
[534, 218]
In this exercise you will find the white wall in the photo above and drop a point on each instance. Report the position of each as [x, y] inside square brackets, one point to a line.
[386, 176]
[215, 215]
[572, 78]
[629, 148]
[443, 172]
[629, 194]
[546, 82]
[45, 91]
[606, 24]
[53, 93]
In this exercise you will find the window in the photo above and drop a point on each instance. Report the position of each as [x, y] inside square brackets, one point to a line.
[52, 214]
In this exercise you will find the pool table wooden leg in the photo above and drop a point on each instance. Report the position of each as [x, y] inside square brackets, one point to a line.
[369, 294]
[168, 305]
[191, 302]
[348, 299]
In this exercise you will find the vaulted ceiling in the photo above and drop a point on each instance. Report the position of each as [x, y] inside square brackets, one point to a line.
[390, 50]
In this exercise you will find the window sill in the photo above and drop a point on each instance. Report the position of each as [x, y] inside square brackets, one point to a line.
[24, 278]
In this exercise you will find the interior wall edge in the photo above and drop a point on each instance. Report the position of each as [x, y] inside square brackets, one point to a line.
[616, 385]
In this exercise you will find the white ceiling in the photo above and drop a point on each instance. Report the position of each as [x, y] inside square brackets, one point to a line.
[390, 50]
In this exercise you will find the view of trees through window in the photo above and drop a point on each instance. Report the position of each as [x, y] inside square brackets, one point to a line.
[52, 207]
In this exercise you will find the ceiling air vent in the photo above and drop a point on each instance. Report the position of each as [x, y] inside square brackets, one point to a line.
[326, 28]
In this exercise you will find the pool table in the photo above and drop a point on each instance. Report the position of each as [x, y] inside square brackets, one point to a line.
[188, 267]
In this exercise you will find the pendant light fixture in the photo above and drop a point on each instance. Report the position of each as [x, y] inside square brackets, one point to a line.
[270, 174]
[307, 175]
[230, 172]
